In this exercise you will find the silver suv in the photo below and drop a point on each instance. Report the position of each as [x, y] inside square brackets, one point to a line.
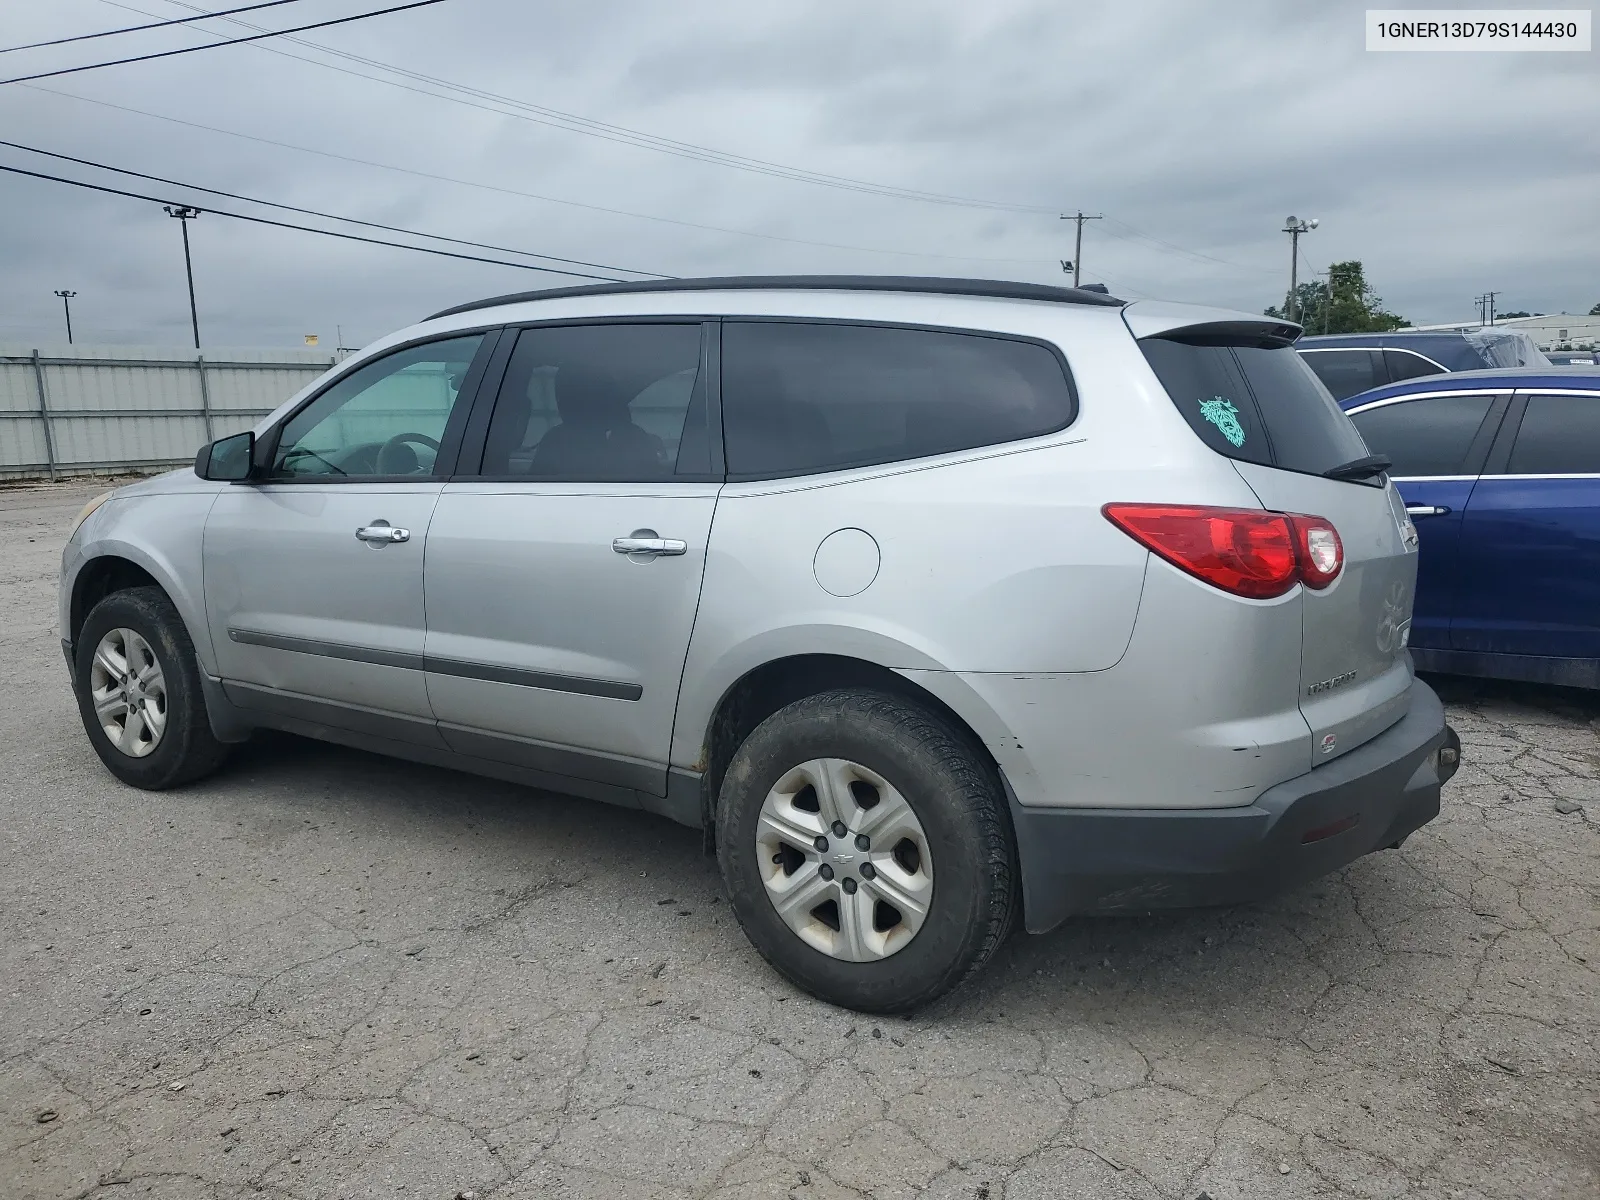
[936, 604]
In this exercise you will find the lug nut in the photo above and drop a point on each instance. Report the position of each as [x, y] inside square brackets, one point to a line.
[863, 842]
[849, 887]
[839, 829]
[821, 843]
[868, 871]
[825, 871]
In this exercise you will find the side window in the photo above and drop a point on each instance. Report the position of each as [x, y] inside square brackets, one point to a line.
[600, 403]
[798, 397]
[1346, 372]
[1560, 435]
[1403, 365]
[1425, 437]
[386, 418]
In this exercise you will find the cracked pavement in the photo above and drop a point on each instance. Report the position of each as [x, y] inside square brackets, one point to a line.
[322, 974]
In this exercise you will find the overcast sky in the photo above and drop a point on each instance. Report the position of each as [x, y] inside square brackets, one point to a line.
[1194, 128]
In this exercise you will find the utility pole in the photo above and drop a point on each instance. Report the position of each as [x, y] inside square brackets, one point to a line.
[1485, 305]
[66, 304]
[1077, 246]
[186, 213]
[1294, 227]
[1490, 297]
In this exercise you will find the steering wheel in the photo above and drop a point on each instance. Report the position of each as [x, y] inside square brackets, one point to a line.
[396, 457]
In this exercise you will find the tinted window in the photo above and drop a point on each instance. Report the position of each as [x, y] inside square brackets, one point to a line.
[1560, 435]
[386, 418]
[599, 402]
[1259, 405]
[1425, 437]
[1403, 364]
[799, 398]
[1346, 372]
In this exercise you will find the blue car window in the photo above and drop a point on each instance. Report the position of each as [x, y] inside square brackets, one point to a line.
[1427, 437]
[1560, 435]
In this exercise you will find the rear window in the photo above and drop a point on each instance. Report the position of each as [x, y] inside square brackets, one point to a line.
[1255, 404]
[798, 398]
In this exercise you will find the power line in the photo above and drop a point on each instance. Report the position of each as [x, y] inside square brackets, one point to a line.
[507, 191]
[254, 37]
[85, 37]
[1176, 249]
[349, 237]
[574, 123]
[312, 212]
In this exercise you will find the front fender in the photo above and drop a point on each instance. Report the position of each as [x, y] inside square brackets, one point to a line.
[162, 535]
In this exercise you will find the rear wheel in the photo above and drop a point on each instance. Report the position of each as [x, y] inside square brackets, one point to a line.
[138, 685]
[867, 849]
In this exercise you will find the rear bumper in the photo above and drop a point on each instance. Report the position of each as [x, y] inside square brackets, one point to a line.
[1132, 860]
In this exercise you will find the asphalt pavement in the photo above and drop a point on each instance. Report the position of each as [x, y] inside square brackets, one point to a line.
[323, 974]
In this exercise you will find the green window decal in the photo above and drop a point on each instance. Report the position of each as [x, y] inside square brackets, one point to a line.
[1221, 413]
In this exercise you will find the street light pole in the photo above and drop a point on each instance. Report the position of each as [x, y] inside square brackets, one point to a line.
[186, 213]
[1294, 227]
[66, 304]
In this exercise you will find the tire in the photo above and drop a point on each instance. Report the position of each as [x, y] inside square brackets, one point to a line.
[888, 750]
[143, 624]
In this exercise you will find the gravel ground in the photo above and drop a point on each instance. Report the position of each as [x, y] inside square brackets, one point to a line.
[324, 974]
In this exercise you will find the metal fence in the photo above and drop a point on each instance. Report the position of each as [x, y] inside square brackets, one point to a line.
[98, 410]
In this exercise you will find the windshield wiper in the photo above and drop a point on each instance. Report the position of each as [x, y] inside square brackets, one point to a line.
[1360, 468]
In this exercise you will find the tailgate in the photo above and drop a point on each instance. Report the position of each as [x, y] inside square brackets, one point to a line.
[1355, 674]
[1250, 397]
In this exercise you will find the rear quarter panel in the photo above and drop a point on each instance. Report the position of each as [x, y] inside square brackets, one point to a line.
[996, 560]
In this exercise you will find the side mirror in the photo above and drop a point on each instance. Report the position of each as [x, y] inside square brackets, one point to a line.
[227, 460]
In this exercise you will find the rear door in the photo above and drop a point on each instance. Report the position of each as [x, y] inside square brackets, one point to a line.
[1255, 400]
[1437, 442]
[564, 572]
[1530, 558]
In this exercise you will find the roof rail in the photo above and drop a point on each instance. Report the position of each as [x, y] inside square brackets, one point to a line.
[1004, 289]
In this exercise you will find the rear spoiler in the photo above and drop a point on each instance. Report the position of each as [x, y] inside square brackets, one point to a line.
[1216, 326]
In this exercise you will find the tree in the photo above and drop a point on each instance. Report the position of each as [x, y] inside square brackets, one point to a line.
[1508, 316]
[1595, 311]
[1345, 304]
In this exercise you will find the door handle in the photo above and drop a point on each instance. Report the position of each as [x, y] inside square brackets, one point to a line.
[383, 534]
[644, 542]
[1426, 510]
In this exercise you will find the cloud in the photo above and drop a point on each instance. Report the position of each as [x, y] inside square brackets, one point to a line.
[1193, 128]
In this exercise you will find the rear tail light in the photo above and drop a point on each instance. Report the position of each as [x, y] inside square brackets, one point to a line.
[1321, 553]
[1247, 552]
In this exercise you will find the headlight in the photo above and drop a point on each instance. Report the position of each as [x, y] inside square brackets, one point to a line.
[88, 510]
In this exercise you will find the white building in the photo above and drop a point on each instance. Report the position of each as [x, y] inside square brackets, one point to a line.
[1562, 331]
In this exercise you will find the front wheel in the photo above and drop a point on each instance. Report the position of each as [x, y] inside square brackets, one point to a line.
[138, 685]
[867, 849]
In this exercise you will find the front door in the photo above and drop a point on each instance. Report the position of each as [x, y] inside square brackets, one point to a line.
[1437, 443]
[313, 573]
[562, 581]
[1531, 538]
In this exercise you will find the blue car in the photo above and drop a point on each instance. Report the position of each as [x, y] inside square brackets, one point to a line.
[1500, 471]
[1348, 363]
